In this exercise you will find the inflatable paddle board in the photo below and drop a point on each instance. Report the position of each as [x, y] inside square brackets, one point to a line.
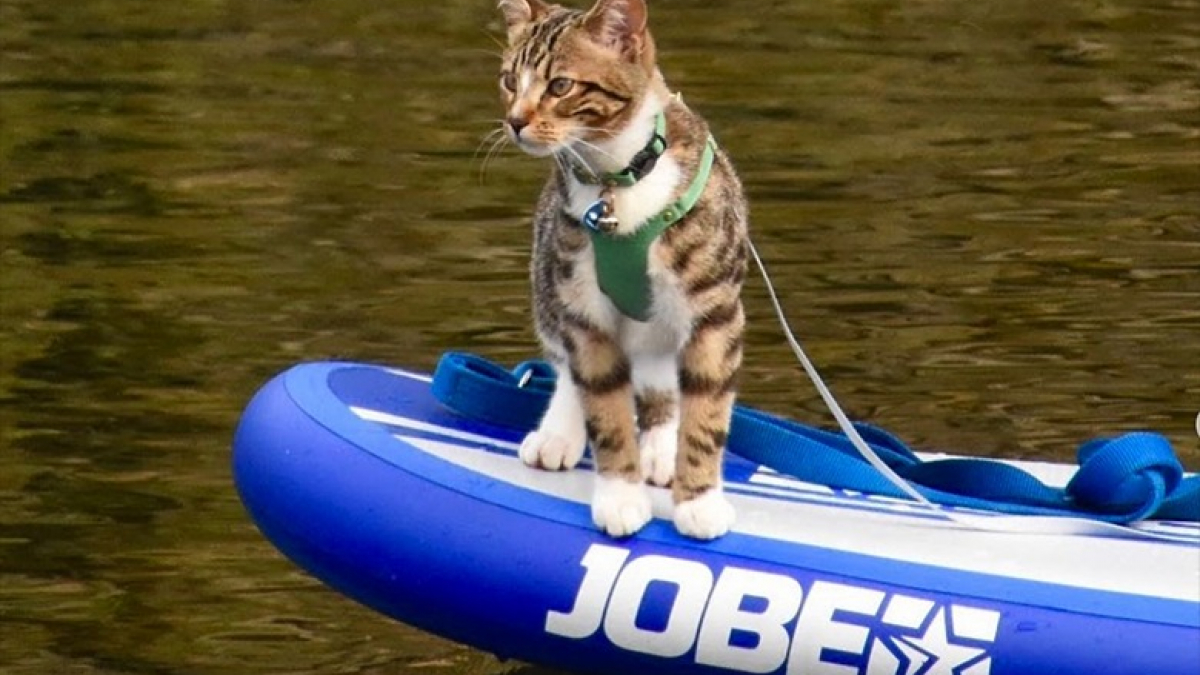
[361, 477]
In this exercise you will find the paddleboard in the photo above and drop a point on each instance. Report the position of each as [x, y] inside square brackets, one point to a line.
[361, 477]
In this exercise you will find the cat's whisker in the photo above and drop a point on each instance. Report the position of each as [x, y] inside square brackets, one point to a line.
[498, 43]
[608, 133]
[562, 163]
[478, 50]
[580, 159]
[496, 147]
[593, 147]
[488, 138]
[490, 121]
[596, 149]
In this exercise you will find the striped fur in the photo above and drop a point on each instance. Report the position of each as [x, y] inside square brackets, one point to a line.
[631, 380]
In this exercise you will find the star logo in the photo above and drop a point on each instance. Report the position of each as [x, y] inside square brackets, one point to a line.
[933, 653]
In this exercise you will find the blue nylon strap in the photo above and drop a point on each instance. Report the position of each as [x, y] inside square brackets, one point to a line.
[482, 390]
[1120, 480]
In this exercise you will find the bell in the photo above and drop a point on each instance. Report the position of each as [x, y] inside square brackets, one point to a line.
[599, 216]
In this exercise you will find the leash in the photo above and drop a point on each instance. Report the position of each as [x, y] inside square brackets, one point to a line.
[1121, 480]
[1092, 500]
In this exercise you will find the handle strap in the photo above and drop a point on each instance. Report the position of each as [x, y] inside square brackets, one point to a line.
[1120, 480]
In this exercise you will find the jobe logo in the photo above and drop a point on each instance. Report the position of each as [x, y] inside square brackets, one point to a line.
[740, 620]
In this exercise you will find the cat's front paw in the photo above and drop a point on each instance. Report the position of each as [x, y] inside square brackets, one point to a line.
[657, 447]
[619, 507]
[544, 449]
[705, 517]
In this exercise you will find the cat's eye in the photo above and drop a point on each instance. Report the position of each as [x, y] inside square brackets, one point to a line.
[559, 86]
[508, 80]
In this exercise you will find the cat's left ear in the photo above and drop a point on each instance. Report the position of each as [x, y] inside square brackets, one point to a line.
[520, 13]
[619, 25]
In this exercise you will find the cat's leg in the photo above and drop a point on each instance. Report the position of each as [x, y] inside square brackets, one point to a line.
[558, 442]
[603, 377]
[656, 400]
[707, 371]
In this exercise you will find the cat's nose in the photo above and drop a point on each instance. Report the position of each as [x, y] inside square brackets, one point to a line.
[517, 124]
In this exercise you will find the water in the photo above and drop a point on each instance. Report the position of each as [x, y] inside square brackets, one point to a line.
[985, 218]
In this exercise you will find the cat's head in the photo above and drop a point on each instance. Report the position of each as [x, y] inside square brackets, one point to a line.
[571, 75]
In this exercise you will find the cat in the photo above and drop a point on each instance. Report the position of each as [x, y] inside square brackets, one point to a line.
[640, 250]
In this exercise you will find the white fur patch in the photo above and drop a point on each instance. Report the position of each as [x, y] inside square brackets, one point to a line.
[633, 205]
[672, 308]
[619, 507]
[641, 201]
[656, 371]
[560, 439]
[582, 292]
[525, 82]
[550, 451]
[706, 517]
[618, 150]
[658, 447]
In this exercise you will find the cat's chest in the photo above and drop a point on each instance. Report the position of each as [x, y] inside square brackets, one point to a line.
[632, 205]
[671, 312]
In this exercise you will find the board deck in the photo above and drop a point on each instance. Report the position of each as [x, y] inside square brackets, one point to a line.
[358, 474]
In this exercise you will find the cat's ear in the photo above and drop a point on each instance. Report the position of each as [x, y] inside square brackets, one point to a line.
[619, 25]
[520, 13]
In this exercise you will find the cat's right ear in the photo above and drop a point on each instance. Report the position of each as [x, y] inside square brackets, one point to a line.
[619, 25]
[520, 13]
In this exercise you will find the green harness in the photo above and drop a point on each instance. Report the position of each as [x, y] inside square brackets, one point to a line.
[622, 261]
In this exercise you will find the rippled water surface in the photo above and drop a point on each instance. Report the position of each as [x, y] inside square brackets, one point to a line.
[984, 217]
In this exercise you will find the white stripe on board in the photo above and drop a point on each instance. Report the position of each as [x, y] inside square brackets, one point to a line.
[407, 423]
[411, 376]
[766, 482]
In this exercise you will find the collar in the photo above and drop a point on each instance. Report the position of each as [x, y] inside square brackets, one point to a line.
[641, 164]
[622, 261]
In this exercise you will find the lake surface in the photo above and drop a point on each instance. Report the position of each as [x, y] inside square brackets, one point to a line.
[984, 219]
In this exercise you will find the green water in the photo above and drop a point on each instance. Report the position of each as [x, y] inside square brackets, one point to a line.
[985, 219]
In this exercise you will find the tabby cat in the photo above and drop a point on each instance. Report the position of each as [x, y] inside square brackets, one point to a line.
[640, 250]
